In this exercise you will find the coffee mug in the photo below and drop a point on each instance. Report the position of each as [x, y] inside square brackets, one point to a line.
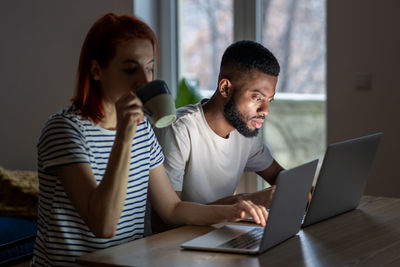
[158, 103]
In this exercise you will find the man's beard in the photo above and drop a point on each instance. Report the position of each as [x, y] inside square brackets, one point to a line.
[234, 117]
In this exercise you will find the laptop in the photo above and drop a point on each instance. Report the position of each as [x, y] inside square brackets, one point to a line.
[342, 178]
[284, 219]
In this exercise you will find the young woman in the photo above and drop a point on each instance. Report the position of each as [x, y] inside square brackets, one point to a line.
[98, 159]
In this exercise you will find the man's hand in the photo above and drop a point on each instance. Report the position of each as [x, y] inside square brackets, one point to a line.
[263, 197]
[268, 196]
[310, 196]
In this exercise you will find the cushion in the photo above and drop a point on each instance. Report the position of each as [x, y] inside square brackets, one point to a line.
[18, 193]
[17, 238]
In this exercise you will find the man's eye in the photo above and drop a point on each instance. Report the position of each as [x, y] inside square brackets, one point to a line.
[257, 98]
[151, 70]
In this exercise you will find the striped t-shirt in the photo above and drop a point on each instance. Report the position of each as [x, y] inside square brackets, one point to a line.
[68, 139]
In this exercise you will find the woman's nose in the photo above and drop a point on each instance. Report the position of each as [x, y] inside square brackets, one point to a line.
[142, 78]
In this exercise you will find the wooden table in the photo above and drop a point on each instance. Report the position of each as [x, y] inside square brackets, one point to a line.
[367, 236]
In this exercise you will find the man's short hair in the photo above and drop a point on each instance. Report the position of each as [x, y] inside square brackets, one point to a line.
[246, 56]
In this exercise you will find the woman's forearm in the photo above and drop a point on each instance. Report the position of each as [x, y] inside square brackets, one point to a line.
[174, 211]
[198, 214]
[107, 201]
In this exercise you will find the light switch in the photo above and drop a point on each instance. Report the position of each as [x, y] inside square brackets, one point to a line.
[363, 81]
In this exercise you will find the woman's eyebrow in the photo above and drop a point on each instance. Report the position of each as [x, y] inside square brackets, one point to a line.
[130, 61]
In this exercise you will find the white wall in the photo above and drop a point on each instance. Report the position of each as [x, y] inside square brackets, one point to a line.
[364, 37]
[41, 40]
[39, 52]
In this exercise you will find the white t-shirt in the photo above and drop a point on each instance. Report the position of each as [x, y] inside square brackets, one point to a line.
[204, 165]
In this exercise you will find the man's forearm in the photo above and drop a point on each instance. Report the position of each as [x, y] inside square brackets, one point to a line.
[230, 200]
[271, 173]
[262, 197]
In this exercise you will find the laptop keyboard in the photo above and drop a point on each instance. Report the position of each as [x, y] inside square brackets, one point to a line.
[247, 240]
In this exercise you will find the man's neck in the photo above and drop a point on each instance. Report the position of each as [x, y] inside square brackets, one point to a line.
[214, 113]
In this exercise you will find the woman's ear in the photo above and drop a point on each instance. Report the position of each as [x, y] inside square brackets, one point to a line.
[95, 70]
[224, 87]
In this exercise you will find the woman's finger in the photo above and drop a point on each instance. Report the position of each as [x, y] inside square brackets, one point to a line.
[255, 212]
[265, 213]
[260, 214]
[129, 99]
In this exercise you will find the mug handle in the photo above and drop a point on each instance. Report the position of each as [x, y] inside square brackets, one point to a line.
[146, 112]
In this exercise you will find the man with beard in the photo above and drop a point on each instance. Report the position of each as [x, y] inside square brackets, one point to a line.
[213, 142]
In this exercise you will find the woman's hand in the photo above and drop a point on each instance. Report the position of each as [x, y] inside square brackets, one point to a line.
[129, 115]
[246, 208]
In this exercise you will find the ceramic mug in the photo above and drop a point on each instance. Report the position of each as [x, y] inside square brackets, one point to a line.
[158, 104]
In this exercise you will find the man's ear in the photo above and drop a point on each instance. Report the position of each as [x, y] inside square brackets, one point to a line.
[224, 87]
[95, 70]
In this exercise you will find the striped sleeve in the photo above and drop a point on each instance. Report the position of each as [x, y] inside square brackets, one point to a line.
[61, 143]
[156, 154]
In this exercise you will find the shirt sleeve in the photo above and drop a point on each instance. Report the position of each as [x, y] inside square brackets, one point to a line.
[61, 143]
[175, 142]
[156, 153]
[260, 157]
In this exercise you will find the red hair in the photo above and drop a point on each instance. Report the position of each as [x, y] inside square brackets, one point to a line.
[100, 45]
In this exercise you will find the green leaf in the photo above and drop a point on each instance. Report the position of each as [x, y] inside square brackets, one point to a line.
[187, 94]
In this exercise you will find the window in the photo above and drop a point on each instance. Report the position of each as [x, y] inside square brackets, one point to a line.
[294, 30]
[206, 29]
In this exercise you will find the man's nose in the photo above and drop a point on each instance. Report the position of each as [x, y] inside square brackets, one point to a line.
[264, 108]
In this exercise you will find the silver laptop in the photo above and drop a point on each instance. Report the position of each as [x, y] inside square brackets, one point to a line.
[284, 220]
[342, 178]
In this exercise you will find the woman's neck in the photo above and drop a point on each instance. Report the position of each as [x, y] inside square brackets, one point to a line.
[109, 120]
